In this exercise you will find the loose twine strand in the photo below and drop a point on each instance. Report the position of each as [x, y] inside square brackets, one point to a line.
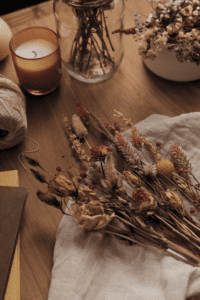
[28, 151]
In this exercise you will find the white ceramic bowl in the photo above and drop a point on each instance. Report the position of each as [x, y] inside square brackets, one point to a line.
[167, 66]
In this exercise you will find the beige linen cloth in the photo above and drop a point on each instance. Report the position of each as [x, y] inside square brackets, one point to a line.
[92, 266]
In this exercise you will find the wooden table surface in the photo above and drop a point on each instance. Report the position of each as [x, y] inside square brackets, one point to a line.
[133, 90]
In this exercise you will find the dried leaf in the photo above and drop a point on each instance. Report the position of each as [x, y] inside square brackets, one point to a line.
[49, 199]
[40, 177]
[32, 161]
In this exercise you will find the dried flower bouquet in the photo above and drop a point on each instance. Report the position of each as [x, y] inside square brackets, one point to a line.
[174, 24]
[137, 205]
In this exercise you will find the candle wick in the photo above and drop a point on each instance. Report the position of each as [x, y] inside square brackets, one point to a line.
[35, 53]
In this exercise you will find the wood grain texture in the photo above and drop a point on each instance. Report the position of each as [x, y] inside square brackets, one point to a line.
[133, 90]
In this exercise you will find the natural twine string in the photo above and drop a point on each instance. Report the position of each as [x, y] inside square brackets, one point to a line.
[29, 151]
[13, 121]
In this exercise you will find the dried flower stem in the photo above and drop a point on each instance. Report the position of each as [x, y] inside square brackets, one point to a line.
[92, 23]
[188, 256]
[87, 143]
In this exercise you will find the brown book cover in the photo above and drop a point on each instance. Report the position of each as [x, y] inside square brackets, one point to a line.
[12, 201]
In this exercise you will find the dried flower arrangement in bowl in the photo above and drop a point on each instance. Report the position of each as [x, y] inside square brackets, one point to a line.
[170, 39]
[138, 204]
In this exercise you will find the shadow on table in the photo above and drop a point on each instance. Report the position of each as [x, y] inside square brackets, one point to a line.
[184, 94]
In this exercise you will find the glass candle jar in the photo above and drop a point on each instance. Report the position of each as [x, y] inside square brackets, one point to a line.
[89, 50]
[36, 57]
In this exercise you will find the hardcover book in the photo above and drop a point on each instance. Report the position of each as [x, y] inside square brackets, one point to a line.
[12, 201]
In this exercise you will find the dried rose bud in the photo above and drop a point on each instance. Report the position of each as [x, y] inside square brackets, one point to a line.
[94, 181]
[140, 195]
[83, 113]
[173, 200]
[106, 124]
[116, 125]
[83, 174]
[192, 210]
[100, 152]
[90, 216]
[63, 181]
[91, 186]
[158, 144]
[143, 200]
[180, 171]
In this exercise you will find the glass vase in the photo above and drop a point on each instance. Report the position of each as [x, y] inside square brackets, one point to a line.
[89, 50]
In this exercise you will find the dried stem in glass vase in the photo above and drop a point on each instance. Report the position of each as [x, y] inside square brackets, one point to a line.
[90, 50]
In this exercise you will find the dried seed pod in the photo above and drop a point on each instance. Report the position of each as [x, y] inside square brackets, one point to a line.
[78, 126]
[165, 167]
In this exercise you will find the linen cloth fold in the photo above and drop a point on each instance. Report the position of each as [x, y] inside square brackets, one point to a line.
[93, 266]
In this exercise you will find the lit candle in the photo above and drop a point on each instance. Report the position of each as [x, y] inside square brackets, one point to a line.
[35, 49]
[36, 56]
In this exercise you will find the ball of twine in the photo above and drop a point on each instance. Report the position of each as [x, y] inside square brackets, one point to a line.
[13, 121]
